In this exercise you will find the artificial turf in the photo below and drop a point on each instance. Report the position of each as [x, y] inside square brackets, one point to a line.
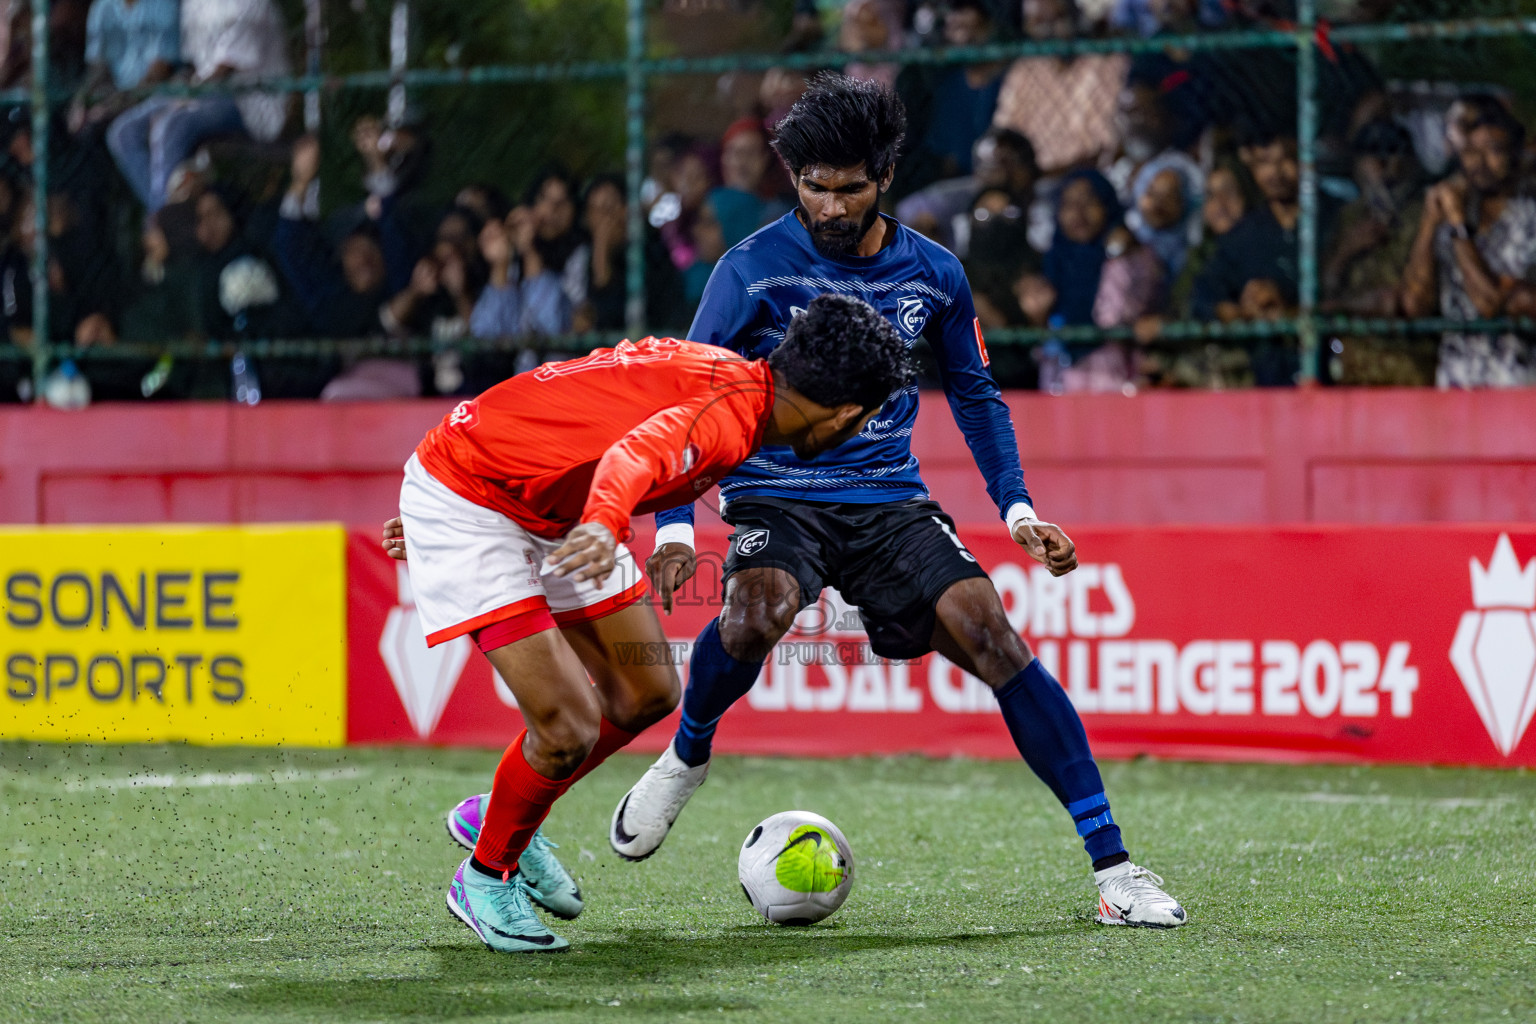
[187, 884]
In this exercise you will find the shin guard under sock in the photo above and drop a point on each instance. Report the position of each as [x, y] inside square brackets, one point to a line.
[1049, 734]
[610, 740]
[715, 682]
[520, 801]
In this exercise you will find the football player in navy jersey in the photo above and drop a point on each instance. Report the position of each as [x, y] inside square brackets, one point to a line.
[859, 518]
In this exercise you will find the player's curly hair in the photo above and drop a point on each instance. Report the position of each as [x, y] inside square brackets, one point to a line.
[842, 122]
[840, 351]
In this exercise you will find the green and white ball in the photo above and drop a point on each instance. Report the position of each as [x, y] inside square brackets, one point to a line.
[796, 868]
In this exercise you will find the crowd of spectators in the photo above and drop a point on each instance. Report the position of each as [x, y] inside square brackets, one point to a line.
[1103, 189]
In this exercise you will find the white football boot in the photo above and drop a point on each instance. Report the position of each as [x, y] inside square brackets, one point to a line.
[1130, 895]
[645, 815]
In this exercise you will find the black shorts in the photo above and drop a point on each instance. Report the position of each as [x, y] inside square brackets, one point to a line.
[892, 561]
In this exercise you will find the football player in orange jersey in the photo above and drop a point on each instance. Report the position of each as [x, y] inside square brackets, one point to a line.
[516, 506]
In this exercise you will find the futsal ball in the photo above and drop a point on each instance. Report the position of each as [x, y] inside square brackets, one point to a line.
[796, 868]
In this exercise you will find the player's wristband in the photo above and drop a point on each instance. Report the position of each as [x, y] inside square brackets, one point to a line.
[675, 533]
[1018, 512]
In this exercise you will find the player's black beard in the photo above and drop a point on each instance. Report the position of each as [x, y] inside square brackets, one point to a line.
[839, 237]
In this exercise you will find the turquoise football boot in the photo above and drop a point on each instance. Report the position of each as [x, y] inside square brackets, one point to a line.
[500, 912]
[549, 884]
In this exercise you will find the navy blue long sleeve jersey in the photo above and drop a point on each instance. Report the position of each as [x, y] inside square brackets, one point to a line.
[919, 285]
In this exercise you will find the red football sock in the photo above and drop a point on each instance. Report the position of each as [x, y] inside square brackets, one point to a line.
[520, 801]
[610, 739]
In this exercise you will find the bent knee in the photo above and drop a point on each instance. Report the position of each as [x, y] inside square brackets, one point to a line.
[997, 651]
[646, 699]
[561, 742]
[748, 632]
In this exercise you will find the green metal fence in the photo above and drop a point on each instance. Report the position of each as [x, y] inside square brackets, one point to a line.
[637, 70]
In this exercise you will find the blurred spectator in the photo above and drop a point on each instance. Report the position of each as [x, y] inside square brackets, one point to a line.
[484, 200]
[84, 290]
[1375, 233]
[607, 221]
[1252, 274]
[692, 181]
[1003, 161]
[657, 196]
[160, 309]
[871, 26]
[1476, 242]
[1087, 211]
[708, 246]
[341, 292]
[524, 295]
[66, 42]
[239, 303]
[1133, 283]
[561, 244]
[440, 295]
[1097, 274]
[998, 254]
[780, 89]
[1363, 273]
[1145, 132]
[1064, 105]
[1229, 194]
[949, 107]
[128, 44]
[746, 199]
[1167, 196]
[1464, 112]
[225, 41]
[1149, 17]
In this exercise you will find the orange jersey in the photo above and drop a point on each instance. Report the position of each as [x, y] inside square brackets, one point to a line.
[640, 427]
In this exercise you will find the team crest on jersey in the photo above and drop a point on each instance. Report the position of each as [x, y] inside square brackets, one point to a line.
[465, 414]
[751, 542]
[911, 314]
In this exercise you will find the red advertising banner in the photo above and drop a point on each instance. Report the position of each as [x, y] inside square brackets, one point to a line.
[1413, 644]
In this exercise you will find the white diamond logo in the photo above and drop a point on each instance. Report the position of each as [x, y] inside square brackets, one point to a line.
[1494, 651]
[424, 676]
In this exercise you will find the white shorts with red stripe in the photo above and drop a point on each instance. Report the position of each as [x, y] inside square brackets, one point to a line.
[472, 567]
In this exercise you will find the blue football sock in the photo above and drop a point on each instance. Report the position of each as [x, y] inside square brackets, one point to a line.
[1046, 729]
[715, 682]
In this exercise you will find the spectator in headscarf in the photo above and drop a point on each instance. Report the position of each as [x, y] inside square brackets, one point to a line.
[1168, 192]
[1087, 210]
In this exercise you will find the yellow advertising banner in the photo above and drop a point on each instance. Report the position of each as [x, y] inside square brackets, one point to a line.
[149, 633]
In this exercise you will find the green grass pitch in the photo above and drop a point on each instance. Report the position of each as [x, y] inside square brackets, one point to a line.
[184, 884]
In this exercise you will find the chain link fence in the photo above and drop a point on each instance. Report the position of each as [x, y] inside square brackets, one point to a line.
[374, 198]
